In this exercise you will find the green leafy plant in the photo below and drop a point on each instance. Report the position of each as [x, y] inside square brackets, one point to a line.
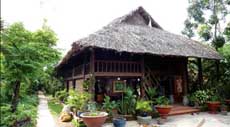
[61, 95]
[162, 101]
[128, 103]
[151, 92]
[78, 100]
[143, 105]
[201, 96]
[86, 84]
[109, 105]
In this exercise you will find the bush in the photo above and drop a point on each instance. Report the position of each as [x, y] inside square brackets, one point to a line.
[78, 100]
[61, 95]
[25, 114]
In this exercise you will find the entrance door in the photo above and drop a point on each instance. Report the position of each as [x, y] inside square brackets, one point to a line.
[178, 89]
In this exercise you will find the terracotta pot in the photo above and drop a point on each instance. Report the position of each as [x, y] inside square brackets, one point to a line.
[163, 111]
[94, 121]
[213, 106]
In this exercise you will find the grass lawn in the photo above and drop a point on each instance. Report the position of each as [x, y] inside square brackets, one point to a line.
[55, 107]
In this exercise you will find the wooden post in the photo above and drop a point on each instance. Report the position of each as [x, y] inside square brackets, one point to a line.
[143, 76]
[200, 74]
[67, 85]
[217, 70]
[92, 72]
[83, 67]
[186, 75]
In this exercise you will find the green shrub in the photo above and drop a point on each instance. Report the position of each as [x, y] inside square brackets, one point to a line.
[127, 105]
[26, 110]
[61, 95]
[144, 106]
[109, 105]
[78, 100]
[162, 100]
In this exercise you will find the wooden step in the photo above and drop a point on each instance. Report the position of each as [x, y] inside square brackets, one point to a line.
[178, 110]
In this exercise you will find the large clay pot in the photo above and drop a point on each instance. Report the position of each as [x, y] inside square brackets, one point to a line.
[163, 111]
[213, 106]
[94, 121]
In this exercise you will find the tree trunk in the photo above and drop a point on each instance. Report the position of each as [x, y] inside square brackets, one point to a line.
[15, 96]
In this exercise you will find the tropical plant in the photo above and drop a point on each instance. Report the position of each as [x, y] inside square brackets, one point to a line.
[162, 101]
[143, 105]
[201, 97]
[62, 95]
[78, 100]
[109, 105]
[86, 84]
[151, 92]
[128, 103]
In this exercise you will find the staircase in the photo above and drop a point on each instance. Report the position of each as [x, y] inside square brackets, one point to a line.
[180, 109]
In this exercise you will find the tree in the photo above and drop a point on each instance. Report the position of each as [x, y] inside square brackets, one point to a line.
[26, 54]
[206, 18]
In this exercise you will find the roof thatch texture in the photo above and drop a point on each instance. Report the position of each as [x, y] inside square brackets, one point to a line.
[137, 32]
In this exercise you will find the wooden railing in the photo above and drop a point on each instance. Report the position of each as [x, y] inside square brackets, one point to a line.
[117, 66]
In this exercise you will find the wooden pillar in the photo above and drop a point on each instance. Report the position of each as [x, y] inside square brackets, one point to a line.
[67, 85]
[92, 62]
[83, 67]
[217, 70]
[200, 74]
[92, 71]
[143, 77]
[186, 76]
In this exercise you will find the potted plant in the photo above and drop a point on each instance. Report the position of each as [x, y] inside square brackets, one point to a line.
[200, 97]
[127, 104]
[109, 106]
[119, 122]
[163, 106]
[78, 100]
[213, 104]
[144, 107]
[94, 118]
[223, 109]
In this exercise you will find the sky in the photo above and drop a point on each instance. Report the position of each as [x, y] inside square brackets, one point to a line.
[75, 19]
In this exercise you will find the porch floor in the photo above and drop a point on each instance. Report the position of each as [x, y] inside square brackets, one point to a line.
[181, 109]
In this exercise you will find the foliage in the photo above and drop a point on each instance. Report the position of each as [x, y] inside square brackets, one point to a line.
[162, 101]
[109, 105]
[205, 19]
[77, 99]
[86, 84]
[143, 105]
[25, 55]
[151, 92]
[55, 107]
[62, 95]
[128, 103]
[200, 96]
[26, 110]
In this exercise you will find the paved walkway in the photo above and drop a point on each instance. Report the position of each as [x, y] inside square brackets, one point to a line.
[197, 120]
[45, 118]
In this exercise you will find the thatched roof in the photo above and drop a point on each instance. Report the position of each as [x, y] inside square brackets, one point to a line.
[137, 32]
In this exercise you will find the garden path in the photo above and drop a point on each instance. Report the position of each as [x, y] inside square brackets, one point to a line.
[45, 118]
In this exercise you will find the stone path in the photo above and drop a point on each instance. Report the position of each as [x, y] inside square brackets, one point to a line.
[45, 118]
[202, 119]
